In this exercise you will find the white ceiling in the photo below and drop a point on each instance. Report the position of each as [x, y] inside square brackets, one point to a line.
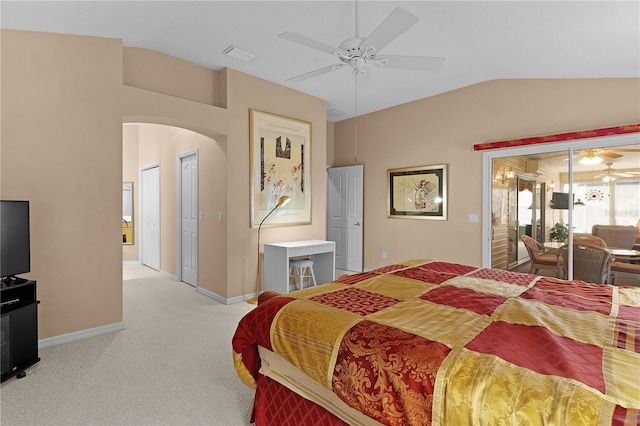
[481, 40]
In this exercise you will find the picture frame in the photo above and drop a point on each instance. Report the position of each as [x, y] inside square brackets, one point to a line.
[280, 151]
[418, 192]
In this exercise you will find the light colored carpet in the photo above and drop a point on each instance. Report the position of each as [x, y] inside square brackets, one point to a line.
[172, 365]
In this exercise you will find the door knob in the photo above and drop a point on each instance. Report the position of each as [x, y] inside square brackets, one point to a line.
[356, 224]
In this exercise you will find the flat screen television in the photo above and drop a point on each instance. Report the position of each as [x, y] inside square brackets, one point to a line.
[559, 201]
[15, 241]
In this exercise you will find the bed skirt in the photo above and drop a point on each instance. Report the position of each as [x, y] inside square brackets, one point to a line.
[275, 404]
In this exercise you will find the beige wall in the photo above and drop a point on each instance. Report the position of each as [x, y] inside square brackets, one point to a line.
[63, 106]
[443, 129]
[61, 149]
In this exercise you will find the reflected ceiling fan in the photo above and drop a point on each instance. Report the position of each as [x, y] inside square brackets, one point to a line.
[610, 175]
[592, 157]
[358, 52]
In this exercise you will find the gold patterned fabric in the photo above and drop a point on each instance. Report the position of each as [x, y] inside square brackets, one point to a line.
[425, 342]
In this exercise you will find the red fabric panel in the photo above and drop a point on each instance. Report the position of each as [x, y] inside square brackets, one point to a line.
[570, 294]
[453, 268]
[356, 300]
[629, 312]
[540, 350]
[560, 137]
[504, 276]
[425, 275]
[276, 405]
[464, 298]
[625, 417]
[388, 374]
[627, 335]
[254, 330]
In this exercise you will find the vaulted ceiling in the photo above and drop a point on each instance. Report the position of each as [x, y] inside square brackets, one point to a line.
[480, 40]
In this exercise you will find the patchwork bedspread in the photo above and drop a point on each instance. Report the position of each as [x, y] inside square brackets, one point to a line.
[426, 342]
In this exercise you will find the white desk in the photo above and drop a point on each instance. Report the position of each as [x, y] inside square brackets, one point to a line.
[276, 262]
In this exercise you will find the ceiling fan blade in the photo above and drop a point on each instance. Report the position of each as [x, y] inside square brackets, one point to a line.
[309, 42]
[624, 150]
[421, 63]
[609, 154]
[395, 24]
[622, 174]
[315, 73]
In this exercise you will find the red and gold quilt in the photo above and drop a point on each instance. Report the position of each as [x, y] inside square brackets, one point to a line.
[425, 342]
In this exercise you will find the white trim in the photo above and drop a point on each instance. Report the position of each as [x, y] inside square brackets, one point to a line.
[216, 296]
[488, 156]
[79, 335]
[168, 275]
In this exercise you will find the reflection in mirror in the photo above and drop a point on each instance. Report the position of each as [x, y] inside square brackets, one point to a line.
[127, 213]
[605, 191]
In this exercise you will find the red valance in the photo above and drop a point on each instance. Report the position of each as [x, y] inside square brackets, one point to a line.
[560, 137]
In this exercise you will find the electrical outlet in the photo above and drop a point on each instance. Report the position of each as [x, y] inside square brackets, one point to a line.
[220, 217]
[384, 254]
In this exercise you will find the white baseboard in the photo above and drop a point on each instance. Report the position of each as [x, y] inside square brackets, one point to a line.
[168, 275]
[240, 299]
[218, 298]
[211, 295]
[79, 335]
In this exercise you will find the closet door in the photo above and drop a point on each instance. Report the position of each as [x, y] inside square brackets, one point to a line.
[150, 213]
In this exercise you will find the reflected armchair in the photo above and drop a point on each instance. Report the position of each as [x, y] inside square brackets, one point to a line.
[590, 263]
[541, 257]
[618, 236]
[592, 240]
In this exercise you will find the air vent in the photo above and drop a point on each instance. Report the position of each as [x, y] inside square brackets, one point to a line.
[334, 113]
[240, 54]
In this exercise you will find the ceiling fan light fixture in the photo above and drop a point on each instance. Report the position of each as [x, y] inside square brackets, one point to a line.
[590, 160]
[609, 179]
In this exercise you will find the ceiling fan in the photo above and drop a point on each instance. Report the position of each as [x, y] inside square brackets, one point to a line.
[358, 52]
[611, 175]
[592, 157]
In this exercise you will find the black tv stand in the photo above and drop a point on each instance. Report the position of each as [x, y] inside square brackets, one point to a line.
[12, 280]
[18, 328]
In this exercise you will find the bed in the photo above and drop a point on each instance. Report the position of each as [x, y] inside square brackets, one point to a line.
[426, 342]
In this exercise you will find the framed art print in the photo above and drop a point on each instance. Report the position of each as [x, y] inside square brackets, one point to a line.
[417, 192]
[280, 149]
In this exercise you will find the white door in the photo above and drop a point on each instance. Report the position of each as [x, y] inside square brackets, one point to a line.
[150, 213]
[189, 218]
[344, 215]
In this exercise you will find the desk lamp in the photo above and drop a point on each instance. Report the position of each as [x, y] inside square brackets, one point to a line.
[281, 202]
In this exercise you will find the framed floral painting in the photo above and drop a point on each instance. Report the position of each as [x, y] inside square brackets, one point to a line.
[280, 150]
[417, 192]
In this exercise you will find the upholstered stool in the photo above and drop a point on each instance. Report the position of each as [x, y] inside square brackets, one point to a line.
[299, 269]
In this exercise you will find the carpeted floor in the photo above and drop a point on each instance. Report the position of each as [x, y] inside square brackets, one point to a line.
[171, 365]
